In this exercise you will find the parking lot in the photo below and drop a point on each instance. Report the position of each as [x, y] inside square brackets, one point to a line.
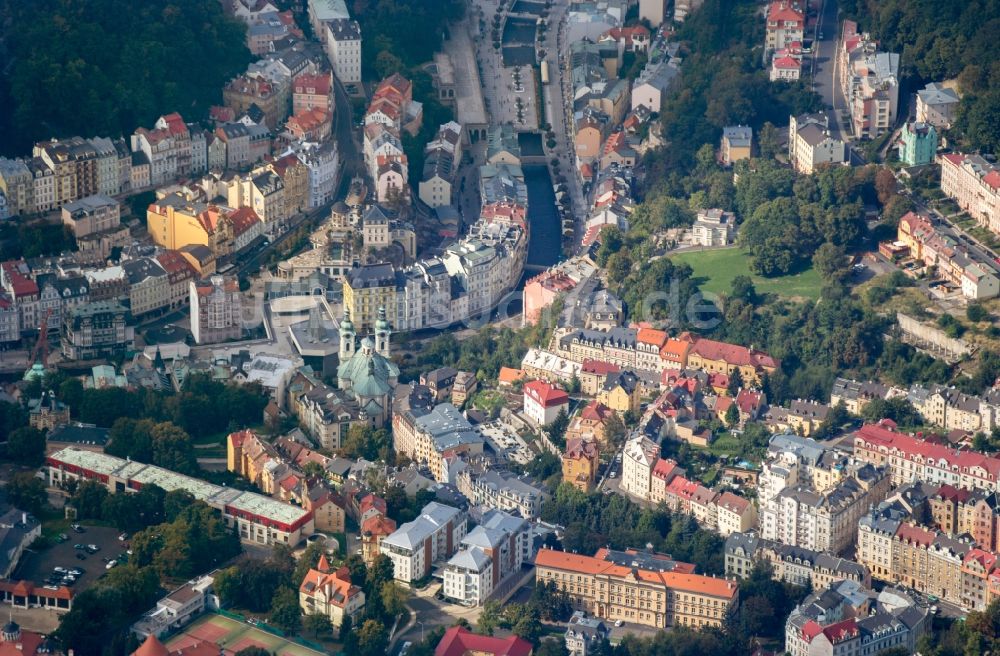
[39, 567]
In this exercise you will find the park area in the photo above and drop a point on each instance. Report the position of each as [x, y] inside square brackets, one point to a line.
[232, 636]
[715, 270]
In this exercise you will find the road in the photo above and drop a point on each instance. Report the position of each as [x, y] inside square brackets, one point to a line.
[826, 77]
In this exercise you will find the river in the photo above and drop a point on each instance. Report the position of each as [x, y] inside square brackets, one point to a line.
[545, 246]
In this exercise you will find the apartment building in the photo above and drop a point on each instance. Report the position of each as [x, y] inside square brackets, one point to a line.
[918, 143]
[490, 553]
[810, 144]
[343, 47]
[312, 91]
[974, 184]
[846, 618]
[149, 288]
[909, 458]
[17, 184]
[430, 433]
[503, 490]
[543, 402]
[638, 587]
[96, 330]
[256, 518]
[936, 105]
[811, 497]
[432, 537]
[790, 564]
[580, 461]
[870, 83]
[785, 25]
[216, 310]
[737, 143]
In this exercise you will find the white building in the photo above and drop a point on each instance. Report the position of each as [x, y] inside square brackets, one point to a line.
[544, 401]
[178, 608]
[501, 490]
[713, 227]
[216, 310]
[343, 48]
[416, 546]
[936, 105]
[810, 144]
[323, 162]
[638, 459]
[490, 553]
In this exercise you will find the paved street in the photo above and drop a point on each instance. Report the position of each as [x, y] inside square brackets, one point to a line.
[826, 77]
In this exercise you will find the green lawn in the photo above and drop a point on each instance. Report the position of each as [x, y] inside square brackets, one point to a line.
[717, 268]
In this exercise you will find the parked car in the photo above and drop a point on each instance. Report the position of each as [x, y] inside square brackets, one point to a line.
[123, 537]
[77, 528]
[93, 548]
[62, 537]
[111, 564]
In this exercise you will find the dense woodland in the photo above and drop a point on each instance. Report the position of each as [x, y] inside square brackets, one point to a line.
[105, 67]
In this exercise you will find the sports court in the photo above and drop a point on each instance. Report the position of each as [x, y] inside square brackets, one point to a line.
[233, 635]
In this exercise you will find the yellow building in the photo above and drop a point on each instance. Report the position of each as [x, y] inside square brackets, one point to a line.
[264, 191]
[366, 289]
[173, 222]
[246, 455]
[579, 464]
[737, 142]
[620, 392]
[642, 588]
[723, 358]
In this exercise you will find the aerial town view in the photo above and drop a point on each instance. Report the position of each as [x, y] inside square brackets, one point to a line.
[499, 327]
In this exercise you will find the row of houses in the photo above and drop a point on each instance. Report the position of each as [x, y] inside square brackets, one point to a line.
[943, 255]
[938, 405]
[812, 497]
[897, 548]
[465, 282]
[653, 350]
[656, 480]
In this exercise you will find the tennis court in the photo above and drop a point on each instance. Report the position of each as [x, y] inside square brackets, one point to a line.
[233, 635]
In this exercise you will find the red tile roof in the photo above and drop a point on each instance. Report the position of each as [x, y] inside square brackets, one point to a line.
[458, 641]
[579, 449]
[545, 394]
[599, 367]
[243, 219]
[151, 647]
[732, 354]
[595, 411]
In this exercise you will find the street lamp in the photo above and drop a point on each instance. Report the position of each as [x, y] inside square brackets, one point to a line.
[421, 630]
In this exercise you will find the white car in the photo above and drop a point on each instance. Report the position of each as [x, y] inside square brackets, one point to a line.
[111, 564]
[618, 622]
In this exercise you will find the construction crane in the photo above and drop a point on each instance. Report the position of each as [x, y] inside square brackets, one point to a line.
[42, 345]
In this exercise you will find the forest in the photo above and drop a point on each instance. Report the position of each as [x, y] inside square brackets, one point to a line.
[106, 67]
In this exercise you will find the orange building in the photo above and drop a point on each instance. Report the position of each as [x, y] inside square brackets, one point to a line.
[638, 587]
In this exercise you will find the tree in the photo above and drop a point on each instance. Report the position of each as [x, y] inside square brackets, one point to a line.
[898, 409]
[393, 599]
[363, 441]
[732, 415]
[557, 429]
[318, 625]
[26, 446]
[976, 312]
[830, 261]
[735, 383]
[285, 612]
[371, 638]
[253, 650]
[27, 491]
[489, 619]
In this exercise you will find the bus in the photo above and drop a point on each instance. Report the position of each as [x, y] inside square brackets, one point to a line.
[545, 71]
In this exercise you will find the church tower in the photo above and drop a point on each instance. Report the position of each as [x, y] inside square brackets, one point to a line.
[382, 334]
[347, 335]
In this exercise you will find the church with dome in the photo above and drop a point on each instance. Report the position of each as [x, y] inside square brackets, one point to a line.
[366, 372]
[15, 642]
